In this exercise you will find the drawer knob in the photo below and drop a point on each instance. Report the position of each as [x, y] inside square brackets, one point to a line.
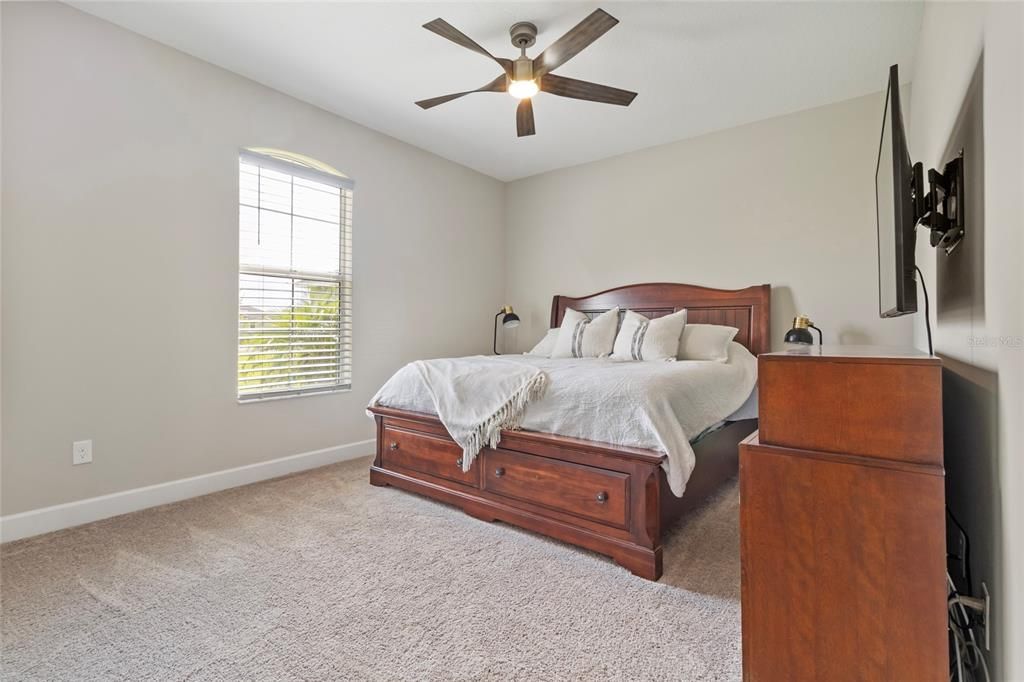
[458, 462]
[393, 445]
[499, 472]
[602, 497]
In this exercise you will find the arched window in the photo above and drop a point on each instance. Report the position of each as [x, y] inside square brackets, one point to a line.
[294, 276]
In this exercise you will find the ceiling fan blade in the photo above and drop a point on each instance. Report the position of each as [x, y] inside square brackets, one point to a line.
[524, 118]
[446, 30]
[577, 89]
[573, 42]
[499, 84]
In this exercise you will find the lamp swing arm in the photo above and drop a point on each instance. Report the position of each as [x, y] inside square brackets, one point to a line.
[821, 341]
[509, 320]
[494, 346]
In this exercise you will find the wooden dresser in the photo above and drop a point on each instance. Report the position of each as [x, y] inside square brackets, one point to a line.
[842, 518]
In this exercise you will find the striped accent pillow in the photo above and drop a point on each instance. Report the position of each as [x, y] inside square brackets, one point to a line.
[643, 339]
[581, 337]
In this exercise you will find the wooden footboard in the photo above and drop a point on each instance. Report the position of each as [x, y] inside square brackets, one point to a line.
[607, 499]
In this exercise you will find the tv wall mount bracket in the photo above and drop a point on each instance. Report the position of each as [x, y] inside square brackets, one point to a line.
[941, 210]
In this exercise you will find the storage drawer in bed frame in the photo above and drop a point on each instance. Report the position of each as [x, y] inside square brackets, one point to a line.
[426, 453]
[591, 493]
[612, 500]
[572, 490]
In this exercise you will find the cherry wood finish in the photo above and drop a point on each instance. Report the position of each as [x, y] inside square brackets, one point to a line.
[746, 309]
[610, 499]
[885, 406]
[601, 495]
[426, 453]
[842, 520]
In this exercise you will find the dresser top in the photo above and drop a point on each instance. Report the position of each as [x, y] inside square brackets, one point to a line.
[894, 354]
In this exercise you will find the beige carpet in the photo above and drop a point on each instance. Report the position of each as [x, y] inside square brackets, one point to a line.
[321, 576]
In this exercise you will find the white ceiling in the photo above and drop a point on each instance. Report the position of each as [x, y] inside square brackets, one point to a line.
[697, 67]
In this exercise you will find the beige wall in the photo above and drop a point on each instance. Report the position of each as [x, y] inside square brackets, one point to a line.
[968, 90]
[120, 252]
[788, 201]
[120, 247]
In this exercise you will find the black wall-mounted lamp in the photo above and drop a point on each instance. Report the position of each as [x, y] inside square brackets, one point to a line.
[509, 321]
[800, 334]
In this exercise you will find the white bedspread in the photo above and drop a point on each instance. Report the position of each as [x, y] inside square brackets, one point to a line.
[653, 405]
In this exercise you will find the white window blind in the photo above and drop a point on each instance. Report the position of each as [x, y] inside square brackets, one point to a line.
[295, 278]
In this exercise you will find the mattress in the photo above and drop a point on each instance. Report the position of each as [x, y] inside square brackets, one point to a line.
[657, 406]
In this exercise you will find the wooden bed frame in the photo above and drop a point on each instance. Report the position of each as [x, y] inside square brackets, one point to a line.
[610, 499]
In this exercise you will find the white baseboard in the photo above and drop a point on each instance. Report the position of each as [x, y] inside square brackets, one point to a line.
[38, 521]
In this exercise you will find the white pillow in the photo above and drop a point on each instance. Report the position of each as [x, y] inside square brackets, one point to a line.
[581, 337]
[706, 342]
[545, 345]
[641, 338]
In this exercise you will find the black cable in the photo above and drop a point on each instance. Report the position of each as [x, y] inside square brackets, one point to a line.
[966, 558]
[927, 310]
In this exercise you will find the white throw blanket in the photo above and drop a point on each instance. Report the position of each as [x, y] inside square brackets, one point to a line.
[653, 405]
[476, 397]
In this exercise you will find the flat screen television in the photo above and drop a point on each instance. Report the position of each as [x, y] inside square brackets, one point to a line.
[895, 185]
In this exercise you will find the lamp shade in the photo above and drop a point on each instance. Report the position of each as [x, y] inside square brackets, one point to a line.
[799, 335]
[510, 320]
[801, 331]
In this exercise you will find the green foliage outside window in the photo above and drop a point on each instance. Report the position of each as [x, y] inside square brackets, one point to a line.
[292, 348]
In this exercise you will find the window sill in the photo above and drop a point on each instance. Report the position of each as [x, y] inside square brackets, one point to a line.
[263, 399]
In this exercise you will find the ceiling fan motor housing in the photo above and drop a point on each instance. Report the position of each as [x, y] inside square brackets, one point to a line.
[522, 69]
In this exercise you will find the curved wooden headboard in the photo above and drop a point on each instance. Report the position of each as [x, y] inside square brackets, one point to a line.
[746, 309]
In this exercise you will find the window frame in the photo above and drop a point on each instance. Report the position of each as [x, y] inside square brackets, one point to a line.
[298, 166]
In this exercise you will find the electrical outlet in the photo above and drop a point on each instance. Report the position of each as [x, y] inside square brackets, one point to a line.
[81, 452]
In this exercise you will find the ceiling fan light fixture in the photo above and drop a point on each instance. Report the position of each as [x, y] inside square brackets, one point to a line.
[524, 77]
[523, 89]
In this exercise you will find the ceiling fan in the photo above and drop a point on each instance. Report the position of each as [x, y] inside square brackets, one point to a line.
[524, 77]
